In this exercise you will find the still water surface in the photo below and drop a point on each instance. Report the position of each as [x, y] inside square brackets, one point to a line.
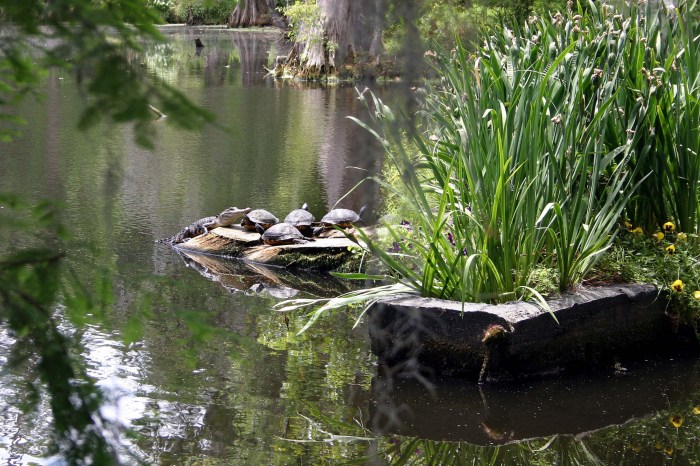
[191, 356]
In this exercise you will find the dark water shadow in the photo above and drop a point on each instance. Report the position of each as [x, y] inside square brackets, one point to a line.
[456, 410]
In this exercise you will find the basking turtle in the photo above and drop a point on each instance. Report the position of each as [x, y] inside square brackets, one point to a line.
[202, 226]
[341, 218]
[258, 217]
[301, 219]
[282, 233]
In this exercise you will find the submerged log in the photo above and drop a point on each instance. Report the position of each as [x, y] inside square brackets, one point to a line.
[160, 114]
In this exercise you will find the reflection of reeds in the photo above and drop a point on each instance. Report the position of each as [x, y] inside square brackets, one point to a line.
[553, 450]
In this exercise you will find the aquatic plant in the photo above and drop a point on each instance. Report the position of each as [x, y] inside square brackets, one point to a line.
[504, 181]
[655, 54]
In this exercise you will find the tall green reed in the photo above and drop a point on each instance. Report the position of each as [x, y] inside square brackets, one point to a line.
[654, 54]
[512, 169]
[677, 122]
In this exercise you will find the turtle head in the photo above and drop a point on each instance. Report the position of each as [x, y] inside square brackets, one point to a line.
[232, 215]
[363, 213]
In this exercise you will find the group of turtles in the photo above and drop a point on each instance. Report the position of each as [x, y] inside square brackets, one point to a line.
[298, 226]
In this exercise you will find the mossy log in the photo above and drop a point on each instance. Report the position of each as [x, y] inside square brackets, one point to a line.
[225, 242]
[322, 254]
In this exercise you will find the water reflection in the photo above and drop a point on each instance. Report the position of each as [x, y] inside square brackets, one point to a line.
[246, 277]
[278, 146]
[455, 411]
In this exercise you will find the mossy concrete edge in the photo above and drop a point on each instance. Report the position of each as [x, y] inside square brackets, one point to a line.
[494, 343]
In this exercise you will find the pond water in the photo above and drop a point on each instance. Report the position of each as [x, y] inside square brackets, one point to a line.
[191, 356]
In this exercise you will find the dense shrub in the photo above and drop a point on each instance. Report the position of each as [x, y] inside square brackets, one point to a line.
[203, 11]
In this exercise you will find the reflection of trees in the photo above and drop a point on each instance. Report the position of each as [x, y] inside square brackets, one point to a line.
[52, 175]
[253, 54]
[287, 145]
[214, 387]
[178, 61]
[271, 158]
[341, 152]
[347, 153]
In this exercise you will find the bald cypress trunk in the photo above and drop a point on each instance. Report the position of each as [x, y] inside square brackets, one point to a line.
[250, 13]
[348, 37]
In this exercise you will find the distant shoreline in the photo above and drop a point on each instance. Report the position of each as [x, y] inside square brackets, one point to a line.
[177, 27]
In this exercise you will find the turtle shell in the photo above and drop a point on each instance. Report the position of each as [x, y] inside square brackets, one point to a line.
[258, 217]
[301, 219]
[282, 233]
[343, 218]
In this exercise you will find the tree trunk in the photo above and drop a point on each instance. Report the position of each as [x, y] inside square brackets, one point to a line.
[376, 47]
[349, 36]
[249, 13]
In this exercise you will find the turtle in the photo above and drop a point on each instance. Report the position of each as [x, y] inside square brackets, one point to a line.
[282, 233]
[301, 219]
[258, 217]
[341, 218]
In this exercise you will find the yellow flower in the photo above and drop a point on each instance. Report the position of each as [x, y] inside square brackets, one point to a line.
[676, 420]
[696, 410]
[669, 227]
[696, 295]
[670, 249]
[677, 286]
[628, 225]
[668, 450]
[658, 235]
[681, 236]
[638, 231]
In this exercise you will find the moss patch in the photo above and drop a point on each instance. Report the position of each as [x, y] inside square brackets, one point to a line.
[321, 261]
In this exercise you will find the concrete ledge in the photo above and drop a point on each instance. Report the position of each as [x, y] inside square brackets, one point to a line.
[490, 343]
